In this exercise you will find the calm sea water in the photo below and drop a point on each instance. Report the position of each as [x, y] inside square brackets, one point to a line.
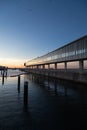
[52, 104]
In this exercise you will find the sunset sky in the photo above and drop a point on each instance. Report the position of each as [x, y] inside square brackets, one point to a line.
[31, 28]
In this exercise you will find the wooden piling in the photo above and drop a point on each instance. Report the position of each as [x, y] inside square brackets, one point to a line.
[25, 93]
[19, 83]
[3, 78]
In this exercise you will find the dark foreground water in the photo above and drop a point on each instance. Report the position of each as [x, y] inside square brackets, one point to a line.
[52, 104]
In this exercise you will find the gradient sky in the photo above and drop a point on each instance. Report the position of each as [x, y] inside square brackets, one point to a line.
[31, 28]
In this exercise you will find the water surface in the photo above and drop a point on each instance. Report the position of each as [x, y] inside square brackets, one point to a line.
[52, 104]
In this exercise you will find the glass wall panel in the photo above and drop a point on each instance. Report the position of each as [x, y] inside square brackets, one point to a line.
[73, 65]
[52, 66]
[46, 66]
[60, 66]
[85, 64]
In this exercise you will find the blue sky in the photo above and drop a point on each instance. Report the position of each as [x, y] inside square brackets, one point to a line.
[31, 28]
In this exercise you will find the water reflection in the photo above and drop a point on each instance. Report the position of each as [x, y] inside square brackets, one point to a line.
[67, 101]
[60, 88]
[71, 93]
[42, 103]
[55, 87]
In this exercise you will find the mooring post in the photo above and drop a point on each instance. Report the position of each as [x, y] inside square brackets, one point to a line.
[19, 83]
[25, 93]
[3, 78]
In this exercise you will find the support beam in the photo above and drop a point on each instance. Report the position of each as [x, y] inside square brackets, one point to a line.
[65, 65]
[48, 66]
[55, 65]
[81, 66]
[43, 66]
[37, 66]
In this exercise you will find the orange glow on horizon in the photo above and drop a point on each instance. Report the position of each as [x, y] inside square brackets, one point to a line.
[12, 63]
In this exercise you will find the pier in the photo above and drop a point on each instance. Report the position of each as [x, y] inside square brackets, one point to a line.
[48, 64]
